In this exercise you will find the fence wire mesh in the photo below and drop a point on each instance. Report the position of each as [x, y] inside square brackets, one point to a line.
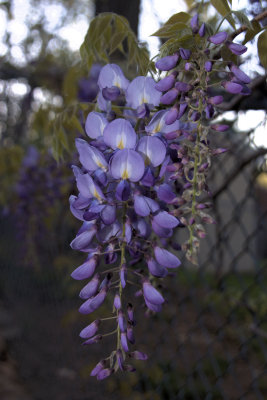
[210, 342]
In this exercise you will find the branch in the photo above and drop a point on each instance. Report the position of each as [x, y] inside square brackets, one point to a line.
[243, 28]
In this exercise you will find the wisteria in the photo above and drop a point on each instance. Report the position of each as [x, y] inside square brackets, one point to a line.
[142, 172]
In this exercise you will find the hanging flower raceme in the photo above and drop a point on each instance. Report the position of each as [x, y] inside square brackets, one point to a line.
[141, 174]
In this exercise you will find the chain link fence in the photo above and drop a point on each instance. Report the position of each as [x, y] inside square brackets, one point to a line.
[210, 341]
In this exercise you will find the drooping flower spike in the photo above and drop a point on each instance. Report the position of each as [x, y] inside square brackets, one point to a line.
[142, 171]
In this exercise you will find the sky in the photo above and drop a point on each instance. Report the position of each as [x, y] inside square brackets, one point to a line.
[154, 11]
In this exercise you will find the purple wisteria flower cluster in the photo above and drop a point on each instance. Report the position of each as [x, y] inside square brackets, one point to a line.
[143, 166]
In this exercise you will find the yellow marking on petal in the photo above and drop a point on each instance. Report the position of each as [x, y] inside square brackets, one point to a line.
[144, 100]
[96, 195]
[100, 164]
[157, 127]
[120, 144]
[125, 174]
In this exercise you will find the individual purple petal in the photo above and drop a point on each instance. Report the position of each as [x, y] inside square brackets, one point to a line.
[127, 164]
[83, 239]
[182, 110]
[208, 66]
[220, 128]
[86, 270]
[109, 231]
[138, 355]
[91, 288]
[124, 343]
[95, 124]
[218, 38]
[143, 111]
[104, 373]
[123, 275]
[122, 321]
[86, 186]
[148, 178]
[81, 202]
[111, 94]
[92, 340]
[143, 228]
[89, 156]
[142, 90]
[202, 30]
[123, 191]
[165, 193]
[103, 105]
[165, 258]
[153, 307]
[232, 87]
[156, 269]
[131, 314]
[90, 330]
[185, 53]
[120, 359]
[128, 231]
[167, 63]
[166, 83]
[99, 367]
[93, 303]
[76, 212]
[130, 334]
[117, 301]
[172, 115]
[108, 214]
[153, 149]
[158, 123]
[183, 86]
[119, 134]
[160, 231]
[140, 206]
[237, 49]
[239, 74]
[165, 220]
[209, 111]
[111, 75]
[194, 24]
[151, 294]
[100, 176]
[215, 100]
[169, 97]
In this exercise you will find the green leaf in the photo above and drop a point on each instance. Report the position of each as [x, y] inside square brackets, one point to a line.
[223, 8]
[262, 48]
[179, 17]
[251, 33]
[242, 19]
[169, 30]
[116, 40]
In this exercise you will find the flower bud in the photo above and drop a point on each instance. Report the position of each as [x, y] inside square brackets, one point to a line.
[239, 74]
[169, 96]
[124, 343]
[209, 111]
[138, 355]
[232, 87]
[123, 275]
[121, 321]
[182, 110]
[188, 66]
[131, 314]
[219, 38]
[208, 66]
[90, 330]
[130, 334]
[99, 367]
[167, 63]
[104, 373]
[202, 30]
[185, 53]
[166, 83]
[215, 100]
[171, 116]
[117, 301]
[220, 128]
[183, 86]
[237, 49]
[94, 339]
[151, 294]
[194, 24]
